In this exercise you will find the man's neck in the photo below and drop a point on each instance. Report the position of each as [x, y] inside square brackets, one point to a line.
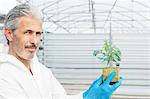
[24, 61]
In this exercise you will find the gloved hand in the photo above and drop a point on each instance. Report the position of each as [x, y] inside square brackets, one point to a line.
[99, 90]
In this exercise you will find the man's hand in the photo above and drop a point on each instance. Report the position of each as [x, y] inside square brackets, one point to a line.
[99, 90]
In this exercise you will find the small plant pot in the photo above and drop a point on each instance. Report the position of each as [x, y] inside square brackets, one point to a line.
[108, 70]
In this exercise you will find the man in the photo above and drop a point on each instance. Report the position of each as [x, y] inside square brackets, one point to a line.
[21, 74]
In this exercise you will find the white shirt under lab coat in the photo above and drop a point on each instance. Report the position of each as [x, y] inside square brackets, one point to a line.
[16, 81]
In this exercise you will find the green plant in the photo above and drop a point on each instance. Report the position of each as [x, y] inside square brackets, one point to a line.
[109, 53]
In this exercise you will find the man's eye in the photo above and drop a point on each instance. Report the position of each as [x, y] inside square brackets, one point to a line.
[39, 33]
[28, 32]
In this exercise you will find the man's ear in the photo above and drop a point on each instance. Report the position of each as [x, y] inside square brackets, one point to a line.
[9, 34]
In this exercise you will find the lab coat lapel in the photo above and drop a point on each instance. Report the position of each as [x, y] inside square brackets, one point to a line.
[27, 82]
[24, 78]
[36, 86]
[41, 78]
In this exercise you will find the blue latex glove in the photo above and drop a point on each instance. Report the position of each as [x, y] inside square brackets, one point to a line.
[99, 90]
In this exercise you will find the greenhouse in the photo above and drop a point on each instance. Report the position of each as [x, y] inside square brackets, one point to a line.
[74, 29]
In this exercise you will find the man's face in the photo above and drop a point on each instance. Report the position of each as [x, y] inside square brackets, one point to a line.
[26, 38]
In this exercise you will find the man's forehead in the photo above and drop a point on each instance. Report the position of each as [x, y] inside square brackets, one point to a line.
[30, 23]
[30, 20]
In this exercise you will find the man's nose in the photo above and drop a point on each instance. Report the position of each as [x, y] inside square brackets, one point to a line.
[33, 38]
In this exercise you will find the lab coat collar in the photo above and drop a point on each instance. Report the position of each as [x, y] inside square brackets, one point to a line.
[7, 58]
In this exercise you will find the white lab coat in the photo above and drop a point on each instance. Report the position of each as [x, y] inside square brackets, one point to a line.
[16, 81]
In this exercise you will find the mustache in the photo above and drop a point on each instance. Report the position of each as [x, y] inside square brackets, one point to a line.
[31, 46]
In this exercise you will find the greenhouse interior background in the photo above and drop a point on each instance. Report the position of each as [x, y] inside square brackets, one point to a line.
[73, 29]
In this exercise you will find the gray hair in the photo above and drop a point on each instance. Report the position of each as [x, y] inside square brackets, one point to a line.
[12, 18]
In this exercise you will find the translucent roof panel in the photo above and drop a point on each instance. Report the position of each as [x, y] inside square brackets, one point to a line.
[94, 16]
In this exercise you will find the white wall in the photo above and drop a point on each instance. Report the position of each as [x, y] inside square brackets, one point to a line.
[71, 60]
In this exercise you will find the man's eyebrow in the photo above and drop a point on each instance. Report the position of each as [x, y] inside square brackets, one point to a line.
[28, 30]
